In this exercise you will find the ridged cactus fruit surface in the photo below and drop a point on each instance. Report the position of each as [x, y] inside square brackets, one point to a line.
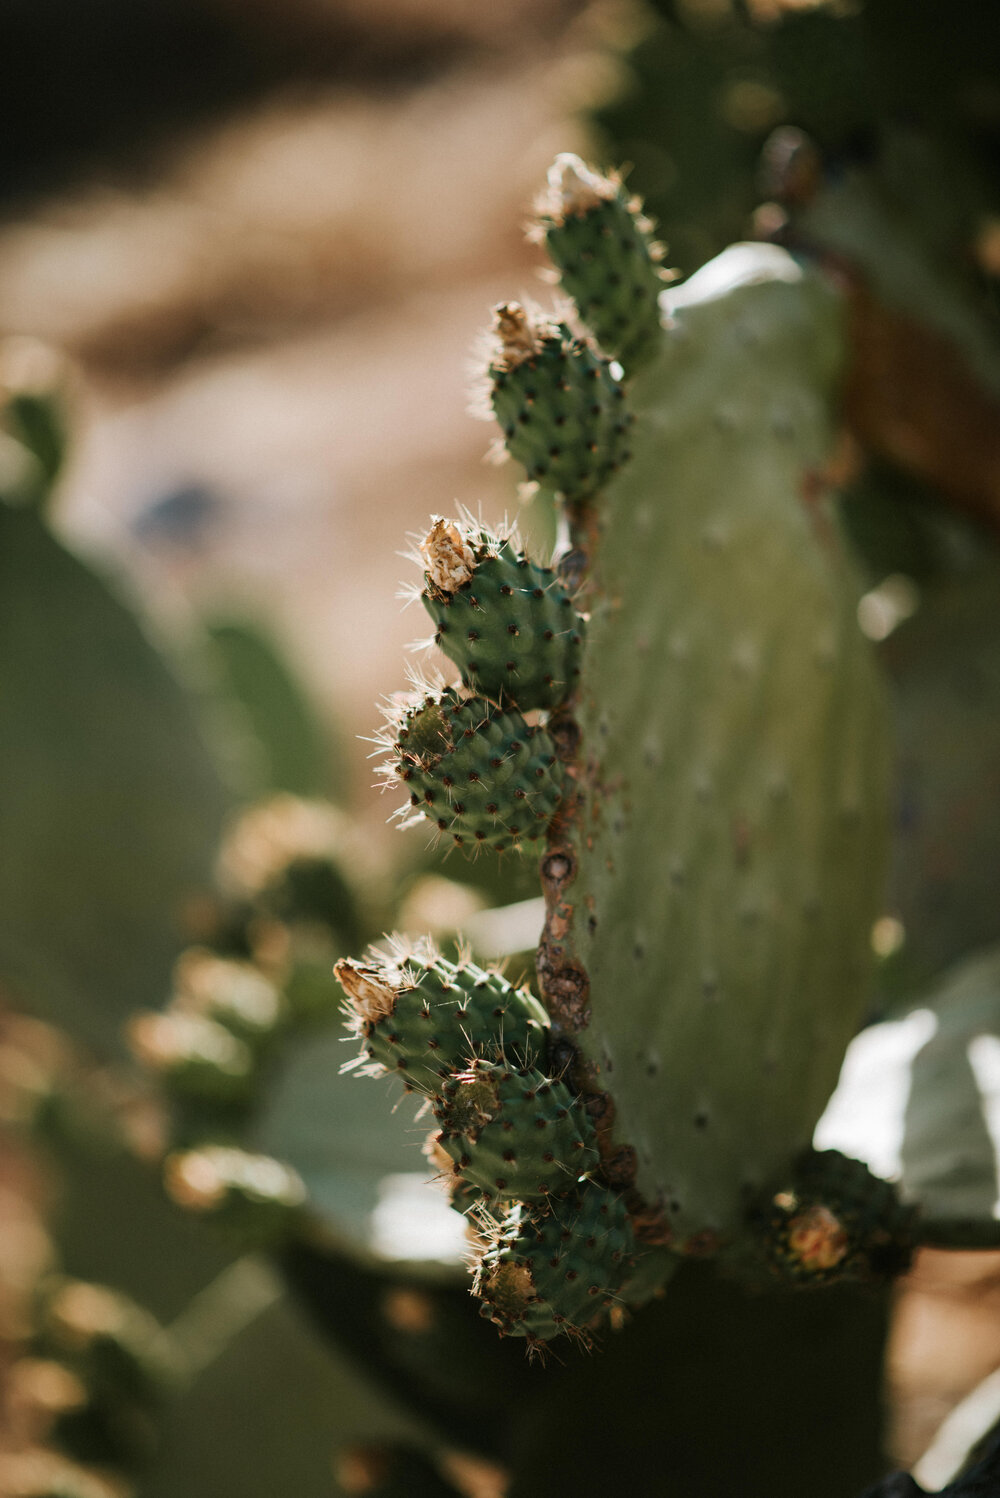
[608, 261]
[482, 775]
[508, 624]
[516, 1135]
[425, 1018]
[540, 1277]
[560, 406]
[730, 835]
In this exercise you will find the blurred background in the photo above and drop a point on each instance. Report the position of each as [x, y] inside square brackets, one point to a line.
[268, 235]
[265, 237]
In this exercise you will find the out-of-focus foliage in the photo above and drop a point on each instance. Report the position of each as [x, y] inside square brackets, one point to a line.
[110, 801]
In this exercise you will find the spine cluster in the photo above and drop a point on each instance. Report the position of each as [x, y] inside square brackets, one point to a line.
[514, 1145]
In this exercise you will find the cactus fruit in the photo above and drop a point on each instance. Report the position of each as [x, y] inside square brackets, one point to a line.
[250, 1197]
[514, 1134]
[196, 1057]
[542, 1277]
[833, 1219]
[508, 624]
[602, 244]
[425, 1018]
[479, 773]
[235, 995]
[558, 402]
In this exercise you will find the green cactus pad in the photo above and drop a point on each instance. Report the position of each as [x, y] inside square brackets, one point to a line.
[509, 625]
[542, 1277]
[514, 1134]
[832, 1219]
[560, 407]
[425, 1018]
[596, 234]
[731, 841]
[481, 774]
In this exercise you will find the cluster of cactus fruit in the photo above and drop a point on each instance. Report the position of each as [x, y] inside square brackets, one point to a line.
[566, 1228]
[239, 997]
[514, 1146]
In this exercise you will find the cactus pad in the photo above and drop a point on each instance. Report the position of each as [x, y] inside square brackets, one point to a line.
[509, 625]
[733, 821]
[426, 1018]
[561, 409]
[514, 1134]
[481, 774]
[596, 234]
[540, 1277]
[833, 1219]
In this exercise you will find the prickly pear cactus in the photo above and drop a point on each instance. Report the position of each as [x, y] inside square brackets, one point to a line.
[706, 761]
[725, 857]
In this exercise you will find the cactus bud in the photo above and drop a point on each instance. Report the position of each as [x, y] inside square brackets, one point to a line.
[195, 1056]
[482, 775]
[426, 1018]
[560, 407]
[252, 1197]
[509, 625]
[542, 1277]
[602, 243]
[514, 1134]
[834, 1220]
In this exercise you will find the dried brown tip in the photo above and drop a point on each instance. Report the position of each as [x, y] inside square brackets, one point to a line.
[448, 557]
[509, 1290]
[437, 1156]
[371, 997]
[518, 333]
[574, 188]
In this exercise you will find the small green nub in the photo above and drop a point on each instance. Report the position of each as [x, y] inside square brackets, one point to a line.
[602, 244]
[516, 1135]
[235, 995]
[251, 1197]
[544, 1277]
[560, 407]
[483, 775]
[834, 1220]
[196, 1057]
[508, 624]
[426, 1018]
